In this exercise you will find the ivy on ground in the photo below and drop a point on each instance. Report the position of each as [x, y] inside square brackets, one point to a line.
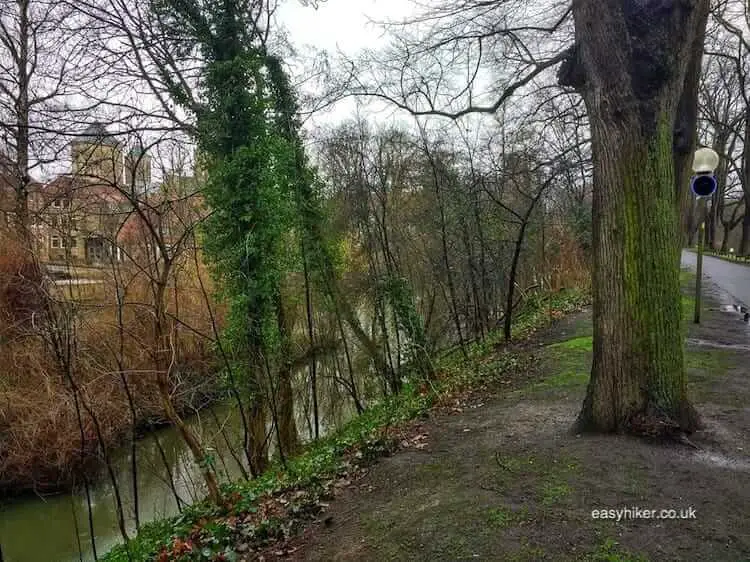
[279, 503]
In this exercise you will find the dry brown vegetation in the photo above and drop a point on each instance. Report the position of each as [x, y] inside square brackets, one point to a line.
[41, 440]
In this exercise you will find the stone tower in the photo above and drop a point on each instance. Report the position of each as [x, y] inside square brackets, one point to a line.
[97, 155]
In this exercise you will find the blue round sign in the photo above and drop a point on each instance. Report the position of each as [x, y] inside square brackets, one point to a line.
[703, 185]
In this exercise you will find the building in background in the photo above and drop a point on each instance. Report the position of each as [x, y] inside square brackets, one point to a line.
[83, 217]
[86, 217]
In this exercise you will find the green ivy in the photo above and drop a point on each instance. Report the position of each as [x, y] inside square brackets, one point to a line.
[365, 434]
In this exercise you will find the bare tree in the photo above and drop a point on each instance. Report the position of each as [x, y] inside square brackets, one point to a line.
[636, 65]
[42, 49]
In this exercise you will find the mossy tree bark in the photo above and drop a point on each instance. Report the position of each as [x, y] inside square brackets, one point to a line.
[633, 59]
[285, 423]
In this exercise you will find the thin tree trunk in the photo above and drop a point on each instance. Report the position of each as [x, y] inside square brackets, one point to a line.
[444, 248]
[21, 111]
[167, 467]
[230, 448]
[107, 460]
[233, 387]
[509, 304]
[349, 366]
[76, 529]
[163, 366]
[86, 486]
[313, 368]
[286, 425]
[119, 359]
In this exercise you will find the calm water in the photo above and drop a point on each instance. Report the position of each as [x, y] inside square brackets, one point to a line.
[50, 529]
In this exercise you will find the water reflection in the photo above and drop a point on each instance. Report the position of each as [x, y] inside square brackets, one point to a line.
[56, 529]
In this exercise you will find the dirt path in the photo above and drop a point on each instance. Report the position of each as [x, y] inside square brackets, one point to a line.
[504, 479]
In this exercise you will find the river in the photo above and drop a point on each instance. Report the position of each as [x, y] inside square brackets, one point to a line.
[55, 528]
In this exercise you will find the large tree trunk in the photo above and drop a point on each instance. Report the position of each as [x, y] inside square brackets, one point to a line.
[716, 211]
[257, 438]
[711, 221]
[725, 231]
[692, 229]
[634, 59]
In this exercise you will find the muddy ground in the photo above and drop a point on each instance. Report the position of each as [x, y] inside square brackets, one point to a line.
[502, 477]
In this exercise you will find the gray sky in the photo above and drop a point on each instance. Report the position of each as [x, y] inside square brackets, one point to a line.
[340, 24]
[343, 26]
[337, 26]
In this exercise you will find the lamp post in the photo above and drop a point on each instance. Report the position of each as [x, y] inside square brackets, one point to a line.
[703, 185]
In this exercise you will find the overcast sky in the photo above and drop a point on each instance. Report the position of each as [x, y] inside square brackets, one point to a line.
[347, 26]
[341, 24]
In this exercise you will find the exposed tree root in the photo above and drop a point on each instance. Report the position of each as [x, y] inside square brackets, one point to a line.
[651, 422]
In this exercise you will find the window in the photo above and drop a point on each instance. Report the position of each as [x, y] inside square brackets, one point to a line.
[61, 203]
[73, 242]
[56, 242]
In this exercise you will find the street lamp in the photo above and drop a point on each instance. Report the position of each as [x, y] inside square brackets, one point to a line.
[703, 184]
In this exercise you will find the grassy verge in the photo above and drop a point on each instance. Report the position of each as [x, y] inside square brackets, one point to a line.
[732, 257]
[278, 504]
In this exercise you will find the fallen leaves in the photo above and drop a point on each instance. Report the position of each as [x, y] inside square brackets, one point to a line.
[418, 441]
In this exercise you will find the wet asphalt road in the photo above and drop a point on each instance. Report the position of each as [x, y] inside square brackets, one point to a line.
[732, 278]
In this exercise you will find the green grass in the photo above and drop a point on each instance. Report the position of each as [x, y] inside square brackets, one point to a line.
[584, 343]
[688, 308]
[687, 277]
[710, 360]
[553, 493]
[610, 551]
[567, 379]
[571, 361]
[549, 476]
[504, 517]
[527, 553]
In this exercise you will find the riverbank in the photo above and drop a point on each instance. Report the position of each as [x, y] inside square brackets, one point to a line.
[506, 479]
[277, 505]
[61, 454]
